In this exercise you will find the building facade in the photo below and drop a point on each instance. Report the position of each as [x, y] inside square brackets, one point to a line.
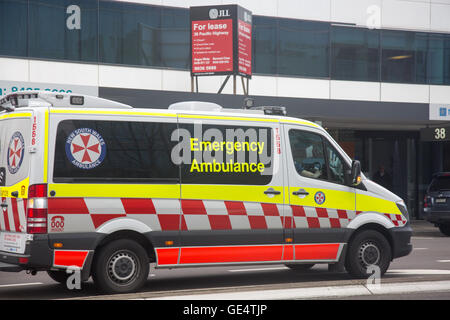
[373, 72]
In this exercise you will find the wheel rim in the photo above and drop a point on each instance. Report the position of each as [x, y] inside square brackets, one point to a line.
[123, 267]
[369, 254]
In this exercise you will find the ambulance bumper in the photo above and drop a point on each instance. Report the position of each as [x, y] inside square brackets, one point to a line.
[37, 256]
[401, 239]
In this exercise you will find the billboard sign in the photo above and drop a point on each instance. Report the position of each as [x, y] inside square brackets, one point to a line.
[221, 38]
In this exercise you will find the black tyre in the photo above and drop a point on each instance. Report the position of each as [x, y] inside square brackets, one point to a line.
[300, 267]
[368, 248]
[445, 229]
[59, 276]
[121, 266]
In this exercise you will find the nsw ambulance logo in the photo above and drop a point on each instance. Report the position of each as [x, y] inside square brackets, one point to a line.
[319, 197]
[16, 150]
[85, 148]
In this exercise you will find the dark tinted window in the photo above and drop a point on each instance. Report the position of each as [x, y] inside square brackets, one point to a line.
[404, 56]
[226, 155]
[440, 183]
[13, 26]
[303, 48]
[114, 151]
[264, 45]
[138, 34]
[63, 29]
[439, 59]
[355, 54]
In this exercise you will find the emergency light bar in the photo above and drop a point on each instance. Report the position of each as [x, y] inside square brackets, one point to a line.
[55, 99]
[272, 110]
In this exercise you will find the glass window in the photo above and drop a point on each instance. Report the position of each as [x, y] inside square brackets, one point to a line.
[264, 45]
[404, 56]
[303, 48]
[63, 29]
[175, 38]
[129, 33]
[146, 35]
[13, 26]
[336, 165]
[440, 184]
[226, 154]
[355, 54]
[114, 151]
[308, 155]
[438, 59]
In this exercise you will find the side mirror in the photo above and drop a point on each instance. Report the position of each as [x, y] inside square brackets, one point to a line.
[355, 174]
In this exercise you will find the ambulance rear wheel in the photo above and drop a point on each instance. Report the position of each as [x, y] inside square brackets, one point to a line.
[121, 266]
[368, 252]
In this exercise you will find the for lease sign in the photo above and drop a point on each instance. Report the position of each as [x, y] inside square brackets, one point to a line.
[212, 46]
[221, 38]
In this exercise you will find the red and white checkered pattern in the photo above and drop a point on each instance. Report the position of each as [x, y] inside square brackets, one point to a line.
[163, 214]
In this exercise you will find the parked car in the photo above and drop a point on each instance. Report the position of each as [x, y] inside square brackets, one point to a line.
[437, 202]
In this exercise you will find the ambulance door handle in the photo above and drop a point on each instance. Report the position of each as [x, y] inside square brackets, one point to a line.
[4, 205]
[301, 192]
[271, 191]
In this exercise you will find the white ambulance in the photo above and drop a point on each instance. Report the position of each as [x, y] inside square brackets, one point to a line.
[97, 185]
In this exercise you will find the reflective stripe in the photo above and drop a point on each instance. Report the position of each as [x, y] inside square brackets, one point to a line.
[231, 193]
[110, 112]
[305, 123]
[15, 115]
[68, 258]
[374, 204]
[170, 191]
[316, 251]
[237, 118]
[192, 255]
[249, 253]
[167, 255]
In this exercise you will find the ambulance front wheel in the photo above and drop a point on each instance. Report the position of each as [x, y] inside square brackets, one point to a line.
[369, 253]
[121, 266]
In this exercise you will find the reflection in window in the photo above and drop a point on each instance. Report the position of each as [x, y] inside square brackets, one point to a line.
[355, 54]
[50, 35]
[439, 59]
[264, 45]
[13, 23]
[307, 153]
[303, 48]
[403, 56]
[335, 165]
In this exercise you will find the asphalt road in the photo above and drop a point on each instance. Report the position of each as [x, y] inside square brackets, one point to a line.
[429, 261]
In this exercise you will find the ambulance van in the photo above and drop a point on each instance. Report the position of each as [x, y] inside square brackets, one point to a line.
[100, 187]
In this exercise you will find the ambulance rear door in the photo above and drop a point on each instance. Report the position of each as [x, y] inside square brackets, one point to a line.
[15, 141]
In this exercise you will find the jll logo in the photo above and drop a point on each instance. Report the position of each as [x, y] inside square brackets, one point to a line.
[214, 13]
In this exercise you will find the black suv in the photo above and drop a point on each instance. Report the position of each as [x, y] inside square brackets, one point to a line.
[437, 202]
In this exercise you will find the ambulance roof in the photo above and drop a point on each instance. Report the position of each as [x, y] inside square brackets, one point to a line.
[84, 103]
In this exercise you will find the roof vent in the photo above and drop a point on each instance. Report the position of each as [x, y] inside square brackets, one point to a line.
[196, 106]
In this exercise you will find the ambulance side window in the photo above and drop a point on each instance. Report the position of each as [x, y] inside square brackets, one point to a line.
[227, 154]
[308, 154]
[114, 151]
[335, 164]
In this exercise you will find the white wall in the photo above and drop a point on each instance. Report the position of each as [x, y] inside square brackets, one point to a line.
[81, 74]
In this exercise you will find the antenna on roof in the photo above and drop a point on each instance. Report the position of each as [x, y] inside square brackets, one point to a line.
[249, 103]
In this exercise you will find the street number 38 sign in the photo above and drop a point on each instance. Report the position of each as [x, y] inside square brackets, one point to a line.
[435, 134]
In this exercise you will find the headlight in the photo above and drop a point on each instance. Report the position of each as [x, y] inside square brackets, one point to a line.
[402, 207]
